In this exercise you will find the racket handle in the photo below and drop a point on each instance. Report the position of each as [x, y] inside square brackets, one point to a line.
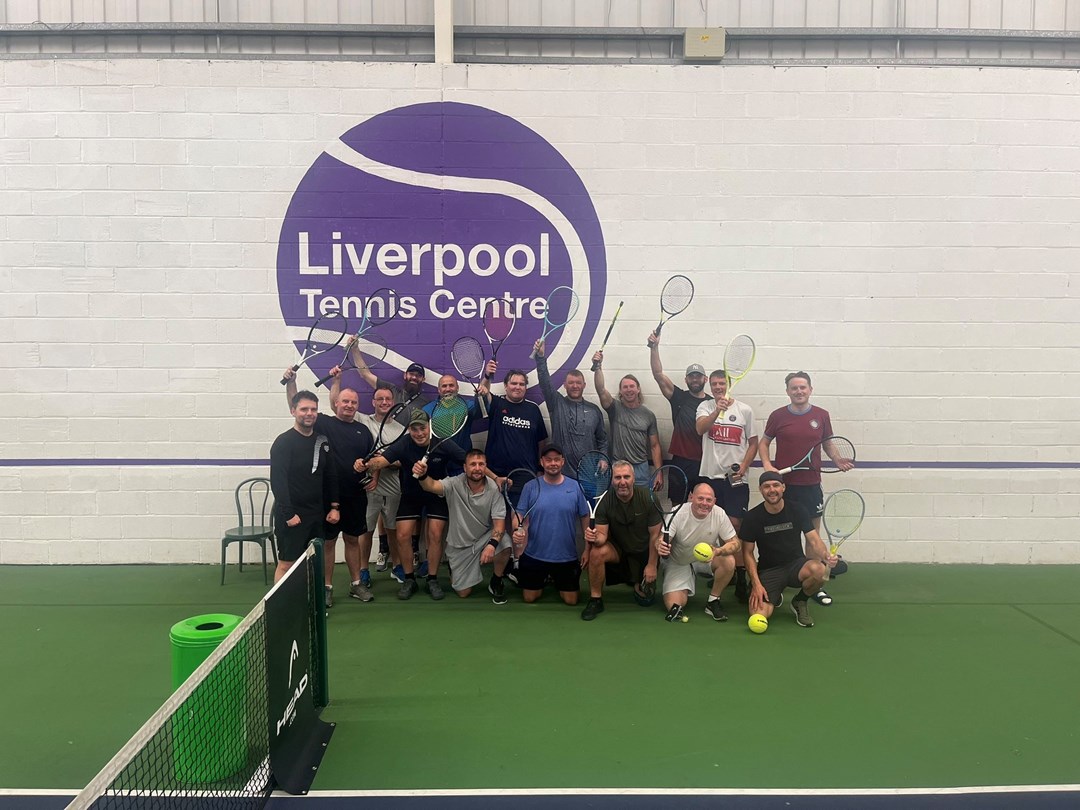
[423, 461]
[592, 522]
[595, 365]
[785, 471]
[483, 406]
[284, 381]
[324, 380]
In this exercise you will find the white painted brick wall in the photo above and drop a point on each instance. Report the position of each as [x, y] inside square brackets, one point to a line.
[908, 235]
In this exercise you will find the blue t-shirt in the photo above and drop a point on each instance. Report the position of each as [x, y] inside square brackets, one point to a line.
[553, 523]
[515, 430]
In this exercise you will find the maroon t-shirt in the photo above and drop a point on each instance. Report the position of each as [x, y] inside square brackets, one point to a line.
[793, 434]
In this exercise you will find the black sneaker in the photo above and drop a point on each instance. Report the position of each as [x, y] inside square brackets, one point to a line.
[675, 614]
[593, 608]
[497, 592]
[407, 589]
[716, 610]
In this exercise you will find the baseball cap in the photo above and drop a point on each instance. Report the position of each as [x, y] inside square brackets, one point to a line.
[695, 368]
[769, 475]
[552, 448]
[415, 368]
[419, 418]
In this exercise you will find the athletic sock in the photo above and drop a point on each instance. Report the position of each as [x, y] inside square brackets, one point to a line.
[356, 582]
[712, 598]
[431, 577]
[411, 576]
[801, 596]
[384, 544]
[496, 579]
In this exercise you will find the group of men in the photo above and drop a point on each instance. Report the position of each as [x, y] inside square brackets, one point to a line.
[358, 474]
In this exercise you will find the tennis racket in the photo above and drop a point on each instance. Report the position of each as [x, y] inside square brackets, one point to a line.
[843, 514]
[611, 326]
[512, 487]
[370, 345]
[325, 334]
[839, 450]
[668, 475]
[738, 360]
[383, 440]
[676, 296]
[499, 320]
[468, 357]
[559, 309]
[447, 419]
[594, 478]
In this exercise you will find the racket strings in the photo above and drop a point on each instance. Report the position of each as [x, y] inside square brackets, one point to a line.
[562, 306]
[322, 337]
[677, 294]
[669, 476]
[373, 347]
[468, 356]
[594, 474]
[843, 513]
[448, 417]
[381, 306]
[499, 319]
[739, 356]
[837, 447]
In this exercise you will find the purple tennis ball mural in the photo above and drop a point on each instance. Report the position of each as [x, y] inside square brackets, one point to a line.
[453, 206]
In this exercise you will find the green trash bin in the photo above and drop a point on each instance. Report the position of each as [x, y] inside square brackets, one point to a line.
[210, 728]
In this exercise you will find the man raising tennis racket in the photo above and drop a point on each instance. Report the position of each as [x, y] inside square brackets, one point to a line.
[685, 446]
[516, 430]
[623, 546]
[578, 426]
[634, 434]
[775, 530]
[410, 389]
[796, 428]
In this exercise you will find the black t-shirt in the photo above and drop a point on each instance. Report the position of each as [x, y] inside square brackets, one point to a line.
[303, 477]
[515, 431]
[408, 452]
[685, 441]
[778, 537]
[348, 442]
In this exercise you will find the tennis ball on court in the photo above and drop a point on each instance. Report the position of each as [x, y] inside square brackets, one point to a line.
[684, 619]
[757, 623]
[703, 552]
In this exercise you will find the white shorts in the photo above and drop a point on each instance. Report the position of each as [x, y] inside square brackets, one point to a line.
[682, 577]
[465, 562]
[382, 505]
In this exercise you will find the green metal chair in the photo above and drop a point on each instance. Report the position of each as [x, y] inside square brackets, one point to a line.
[255, 511]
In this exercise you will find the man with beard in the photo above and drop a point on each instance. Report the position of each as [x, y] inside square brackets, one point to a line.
[685, 446]
[349, 440]
[634, 435]
[304, 482]
[775, 529]
[622, 547]
[576, 425]
[477, 523]
[411, 387]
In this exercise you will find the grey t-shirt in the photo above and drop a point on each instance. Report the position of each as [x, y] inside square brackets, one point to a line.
[630, 432]
[576, 426]
[471, 515]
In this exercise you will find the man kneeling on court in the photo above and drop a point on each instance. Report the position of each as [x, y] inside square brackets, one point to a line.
[622, 547]
[776, 528]
[704, 522]
[476, 534]
[553, 506]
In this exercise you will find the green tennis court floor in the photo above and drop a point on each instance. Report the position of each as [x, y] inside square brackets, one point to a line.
[918, 676]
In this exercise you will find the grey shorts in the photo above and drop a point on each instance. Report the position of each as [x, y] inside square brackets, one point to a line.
[465, 562]
[382, 505]
[774, 580]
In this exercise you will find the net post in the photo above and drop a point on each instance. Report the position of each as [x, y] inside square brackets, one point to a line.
[320, 659]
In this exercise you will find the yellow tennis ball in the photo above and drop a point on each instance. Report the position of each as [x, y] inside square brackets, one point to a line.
[703, 552]
[757, 623]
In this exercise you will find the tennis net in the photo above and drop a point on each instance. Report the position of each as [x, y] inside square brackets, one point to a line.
[220, 739]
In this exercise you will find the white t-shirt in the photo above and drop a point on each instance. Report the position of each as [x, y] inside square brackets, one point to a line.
[726, 440]
[389, 483]
[687, 531]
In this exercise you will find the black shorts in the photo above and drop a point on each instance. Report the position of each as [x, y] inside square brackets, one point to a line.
[533, 573]
[353, 517]
[292, 540]
[427, 504]
[733, 499]
[629, 570]
[692, 468]
[809, 496]
[774, 580]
